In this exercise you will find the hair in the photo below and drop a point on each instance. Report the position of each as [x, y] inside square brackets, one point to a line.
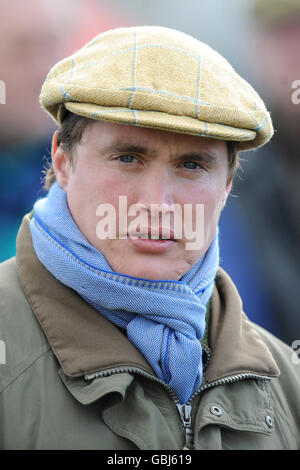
[70, 134]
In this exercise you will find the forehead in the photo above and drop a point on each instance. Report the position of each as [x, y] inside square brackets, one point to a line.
[106, 134]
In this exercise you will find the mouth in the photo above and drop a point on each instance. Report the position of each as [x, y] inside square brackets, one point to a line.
[153, 237]
[153, 234]
[152, 242]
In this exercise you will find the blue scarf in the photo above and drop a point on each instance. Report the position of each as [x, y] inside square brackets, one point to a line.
[165, 320]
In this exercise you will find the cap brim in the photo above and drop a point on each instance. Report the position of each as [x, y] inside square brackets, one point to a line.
[157, 120]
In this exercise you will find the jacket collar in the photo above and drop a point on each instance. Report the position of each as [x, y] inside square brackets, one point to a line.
[85, 342]
[237, 348]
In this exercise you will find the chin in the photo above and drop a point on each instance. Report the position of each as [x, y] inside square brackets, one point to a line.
[155, 273]
[145, 266]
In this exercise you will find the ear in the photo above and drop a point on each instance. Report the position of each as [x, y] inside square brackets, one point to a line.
[226, 194]
[60, 163]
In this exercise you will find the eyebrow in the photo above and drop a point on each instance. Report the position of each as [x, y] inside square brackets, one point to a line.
[134, 148]
[202, 156]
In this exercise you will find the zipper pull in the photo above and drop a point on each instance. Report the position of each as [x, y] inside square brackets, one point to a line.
[185, 412]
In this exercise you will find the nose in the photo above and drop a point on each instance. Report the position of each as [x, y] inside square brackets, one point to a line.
[156, 187]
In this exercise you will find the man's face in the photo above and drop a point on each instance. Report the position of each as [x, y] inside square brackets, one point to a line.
[148, 167]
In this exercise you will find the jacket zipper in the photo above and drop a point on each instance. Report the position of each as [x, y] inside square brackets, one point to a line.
[185, 410]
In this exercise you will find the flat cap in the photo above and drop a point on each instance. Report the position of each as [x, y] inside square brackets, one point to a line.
[157, 77]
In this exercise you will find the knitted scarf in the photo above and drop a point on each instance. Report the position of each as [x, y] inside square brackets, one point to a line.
[164, 319]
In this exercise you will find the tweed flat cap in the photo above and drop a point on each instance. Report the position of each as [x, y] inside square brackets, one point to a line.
[157, 77]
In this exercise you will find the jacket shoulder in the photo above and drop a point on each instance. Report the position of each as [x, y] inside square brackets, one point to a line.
[22, 340]
[285, 388]
[282, 352]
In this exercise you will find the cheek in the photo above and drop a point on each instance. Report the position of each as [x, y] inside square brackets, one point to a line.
[212, 214]
[82, 192]
[96, 186]
[210, 195]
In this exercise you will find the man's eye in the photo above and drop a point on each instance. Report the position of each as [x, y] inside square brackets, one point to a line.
[191, 165]
[126, 158]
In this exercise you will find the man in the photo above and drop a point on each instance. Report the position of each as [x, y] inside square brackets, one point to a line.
[121, 331]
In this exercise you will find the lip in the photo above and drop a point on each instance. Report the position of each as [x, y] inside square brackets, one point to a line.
[146, 232]
[148, 245]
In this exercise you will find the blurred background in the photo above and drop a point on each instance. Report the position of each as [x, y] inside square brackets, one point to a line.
[260, 226]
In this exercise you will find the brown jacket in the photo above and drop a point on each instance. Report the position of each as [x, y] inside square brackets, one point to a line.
[72, 380]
